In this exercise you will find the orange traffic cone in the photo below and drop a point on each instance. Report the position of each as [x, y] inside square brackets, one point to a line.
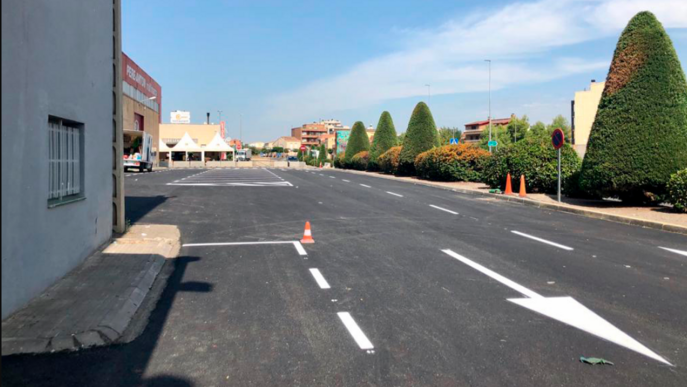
[307, 235]
[509, 188]
[523, 193]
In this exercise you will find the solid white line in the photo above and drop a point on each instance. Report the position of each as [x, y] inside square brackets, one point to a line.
[319, 278]
[238, 243]
[542, 240]
[300, 248]
[347, 181]
[674, 251]
[355, 331]
[518, 288]
[395, 194]
[366, 186]
[264, 169]
[443, 209]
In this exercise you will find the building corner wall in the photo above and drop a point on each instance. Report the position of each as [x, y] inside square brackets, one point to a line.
[118, 210]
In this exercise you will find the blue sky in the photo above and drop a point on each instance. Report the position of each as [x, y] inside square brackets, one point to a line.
[280, 64]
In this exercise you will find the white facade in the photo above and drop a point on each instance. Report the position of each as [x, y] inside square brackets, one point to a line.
[58, 124]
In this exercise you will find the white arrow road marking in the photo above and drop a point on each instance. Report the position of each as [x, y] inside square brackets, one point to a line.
[566, 310]
[674, 251]
[443, 209]
[542, 240]
[355, 331]
[319, 278]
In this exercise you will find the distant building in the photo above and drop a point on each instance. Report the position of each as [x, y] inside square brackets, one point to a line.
[288, 143]
[333, 125]
[257, 144]
[473, 131]
[309, 134]
[62, 180]
[141, 100]
[329, 140]
[584, 108]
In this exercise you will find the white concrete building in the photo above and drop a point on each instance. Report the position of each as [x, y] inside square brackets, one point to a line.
[62, 192]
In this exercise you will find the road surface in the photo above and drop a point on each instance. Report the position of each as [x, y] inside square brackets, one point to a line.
[405, 285]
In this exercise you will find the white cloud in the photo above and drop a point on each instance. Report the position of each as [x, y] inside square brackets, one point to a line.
[450, 57]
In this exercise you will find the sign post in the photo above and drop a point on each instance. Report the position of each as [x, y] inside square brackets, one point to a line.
[557, 140]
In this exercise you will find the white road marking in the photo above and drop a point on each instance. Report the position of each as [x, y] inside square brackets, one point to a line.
[566, 310]
[518, 288]
[443, 209]
[366, 186]
[347, 181]
[674, 251]
[355, 331]
[542, 240]
[332, 177]
[319, 278]
[238, 243]
[395, 194]
[300, 248]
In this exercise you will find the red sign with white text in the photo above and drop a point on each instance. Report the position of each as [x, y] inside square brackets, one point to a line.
[140, 80]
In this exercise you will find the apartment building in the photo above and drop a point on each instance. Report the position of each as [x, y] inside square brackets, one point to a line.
[309, 134]
[584, 108]
[473, 130]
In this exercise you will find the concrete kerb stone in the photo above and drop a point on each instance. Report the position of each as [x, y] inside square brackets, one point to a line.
[164, 244]
[549, 206]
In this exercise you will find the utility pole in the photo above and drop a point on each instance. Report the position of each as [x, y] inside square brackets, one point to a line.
[429, 95]
[489, 60]
[241, 128]
[219, 112]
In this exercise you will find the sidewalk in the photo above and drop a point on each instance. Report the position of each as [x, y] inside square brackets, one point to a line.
[94, 304]
[657, 217]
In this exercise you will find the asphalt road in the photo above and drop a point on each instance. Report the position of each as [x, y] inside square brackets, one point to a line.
[414, 286]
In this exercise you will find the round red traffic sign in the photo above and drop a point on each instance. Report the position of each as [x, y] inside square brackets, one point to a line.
[557, 139]
[303, 148]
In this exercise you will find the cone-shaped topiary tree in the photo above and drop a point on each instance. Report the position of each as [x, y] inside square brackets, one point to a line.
[385, 136]
[639, 136]
[420, 136]
[322, 157]
[357, 142]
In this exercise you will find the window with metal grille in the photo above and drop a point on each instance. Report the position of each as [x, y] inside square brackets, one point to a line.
[65, 161]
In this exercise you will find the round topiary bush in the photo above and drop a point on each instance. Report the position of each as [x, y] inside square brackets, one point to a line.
[462, 162]
[639, 136]
[421, 136]
[536, 159]
[339, 161]
[388, 161]
[677, 190]
[360, 160]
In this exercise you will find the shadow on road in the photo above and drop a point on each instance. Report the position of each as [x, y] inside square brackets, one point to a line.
[138, 206]
[118, 365]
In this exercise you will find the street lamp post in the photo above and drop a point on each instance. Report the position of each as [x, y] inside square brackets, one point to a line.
[219, 112]
[489, 61]
[241, 128]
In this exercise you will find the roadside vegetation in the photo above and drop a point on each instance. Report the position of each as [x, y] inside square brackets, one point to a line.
[637, 145]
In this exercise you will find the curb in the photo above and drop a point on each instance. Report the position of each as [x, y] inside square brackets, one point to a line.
[549, 206]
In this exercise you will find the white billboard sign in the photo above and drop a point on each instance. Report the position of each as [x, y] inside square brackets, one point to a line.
[180, 117]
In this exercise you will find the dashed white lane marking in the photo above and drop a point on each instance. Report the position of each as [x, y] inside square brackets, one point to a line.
[299, 248]
[319, 278]
[347, 181]
[395, 194]
[355, 331]
[542, 240]
[332, 177]
[515, 286]
[366, 186]
[674, 251]
[443, 209]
